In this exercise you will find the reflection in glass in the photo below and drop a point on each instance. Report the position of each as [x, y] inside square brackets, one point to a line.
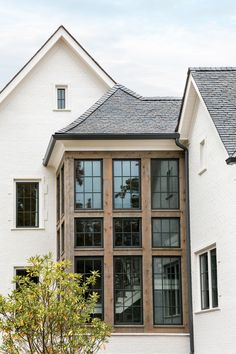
[127, 232]
[165, 232]
[165, 184]
[88, 184]
[126, 184]
[84, 266]
[167, 291]
[128, 289]
[88, 232]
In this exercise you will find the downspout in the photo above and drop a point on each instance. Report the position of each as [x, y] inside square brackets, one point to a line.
[188, 244]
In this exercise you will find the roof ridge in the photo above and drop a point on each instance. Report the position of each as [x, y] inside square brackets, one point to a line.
[213, 68]
[146, 98]
[91, 109]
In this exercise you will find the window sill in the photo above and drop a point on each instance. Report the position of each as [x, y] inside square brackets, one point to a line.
[27, 228]
[207, 311]
[169, 326]
[61, 110]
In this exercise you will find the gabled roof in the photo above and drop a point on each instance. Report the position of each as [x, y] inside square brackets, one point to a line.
[60, 33]
[217, 87]
[122, 112]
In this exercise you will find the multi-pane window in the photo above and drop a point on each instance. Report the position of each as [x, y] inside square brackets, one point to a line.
[127, 232]
[128, 290]
[84, 266]
[165, 184]
[27, 204]
[88, 232]
[208, 279]
[165, 232]
[62, 191]
[61, 98]
[58, 197]
[62, 237]
[88, 184]
[58, 245]
[126, 184]
[167, 290]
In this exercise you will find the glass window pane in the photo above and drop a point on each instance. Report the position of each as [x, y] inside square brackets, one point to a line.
[165, 232]
[88, 184]
[165, 180]
[27, 204]
[167, 290]
[88, 232]
[214, 278]
[204, 281]
[126, 184]
[128, 290]
[127, 232]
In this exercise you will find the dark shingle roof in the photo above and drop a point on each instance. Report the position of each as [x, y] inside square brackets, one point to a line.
[217, 87]
[121, 111]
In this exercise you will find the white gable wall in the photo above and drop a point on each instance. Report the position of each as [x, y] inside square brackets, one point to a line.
[27, 121]
[213, 210]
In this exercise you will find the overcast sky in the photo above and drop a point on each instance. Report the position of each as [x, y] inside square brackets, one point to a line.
[147, 45]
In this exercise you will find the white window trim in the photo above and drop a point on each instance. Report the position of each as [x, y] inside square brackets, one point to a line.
[67, 98]
[41, 209]
[198, 253]
[202, 156]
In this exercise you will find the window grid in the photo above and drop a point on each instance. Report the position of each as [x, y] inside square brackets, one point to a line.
[88, 184]
[88, 232]
[84, 266]
[166, 232]
[204, 279]
[127, 232]
[165, 183]
[27, 204]
[167, 294]
[128, 304]
[61, 98]
[58, 197]
[62, 237]
[62, 191]
[126, 184]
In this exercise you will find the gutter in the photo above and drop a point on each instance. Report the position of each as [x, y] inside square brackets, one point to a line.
[104, 136]
[188, 244]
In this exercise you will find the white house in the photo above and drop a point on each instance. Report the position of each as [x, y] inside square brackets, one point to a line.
[114, 181]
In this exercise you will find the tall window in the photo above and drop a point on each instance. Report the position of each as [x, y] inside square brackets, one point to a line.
[126, 185]
[62, 191]
[165, 232]
[127, 232]
[58, 198]
[128, 290]
[88, 232]
[61, 98]
[167, 290]
[27, 204]
[165, 184]
[208, 279]
[88, 184]
[84, 266]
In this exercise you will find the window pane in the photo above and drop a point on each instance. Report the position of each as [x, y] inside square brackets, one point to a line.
[27, 204]
[128, 290]
[61, 102]
[126, 184]
[88, 232]
[204, 281]
[167, 290]
[84, 266]
[165, 184]
[127, 232]
[165, 232]
[214, 278]
[88, 184]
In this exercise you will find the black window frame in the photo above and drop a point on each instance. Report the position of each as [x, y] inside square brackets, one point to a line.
[62, 237]
[94, 258]
[113, 183]
[101, 182]
[61, 99]
[179, 232]
[126, 219]
[180, 296]
[178, 169]
[118, 323]
[90, 219]
[36, 225]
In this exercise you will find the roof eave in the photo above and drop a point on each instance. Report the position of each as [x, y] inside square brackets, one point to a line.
[231, 160]
[104, 136]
